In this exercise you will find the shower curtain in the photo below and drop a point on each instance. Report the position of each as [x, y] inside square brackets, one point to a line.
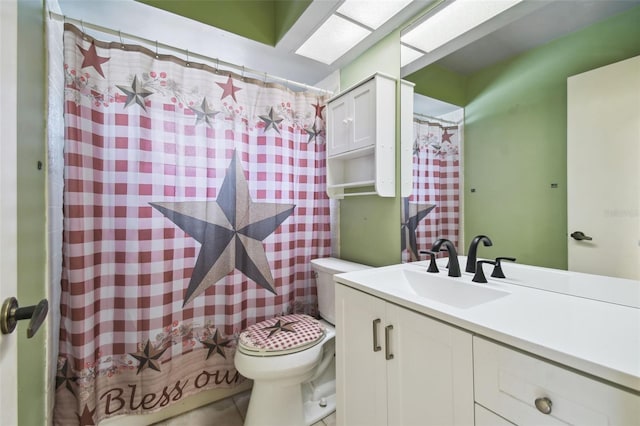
[433, 209]
[194, 199]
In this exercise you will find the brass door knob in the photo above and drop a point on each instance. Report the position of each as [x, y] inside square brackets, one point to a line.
[10, 314]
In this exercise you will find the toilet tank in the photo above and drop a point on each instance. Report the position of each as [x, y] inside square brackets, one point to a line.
[325, 268]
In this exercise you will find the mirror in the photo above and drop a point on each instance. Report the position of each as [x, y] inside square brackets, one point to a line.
[511, 78]
[432, 210]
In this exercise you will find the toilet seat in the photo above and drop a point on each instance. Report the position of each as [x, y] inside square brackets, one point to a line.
[281, 336]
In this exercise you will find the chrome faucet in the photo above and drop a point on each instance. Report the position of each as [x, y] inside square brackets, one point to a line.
[454, 266]
[472, 256]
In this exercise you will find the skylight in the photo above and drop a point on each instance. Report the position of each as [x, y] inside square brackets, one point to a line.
[372, 14]
[333, 39]
[351, 23]
[455, 19]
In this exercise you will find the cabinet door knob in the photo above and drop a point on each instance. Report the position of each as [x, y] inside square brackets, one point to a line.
[376, 346]
[387, 345]
[543, 405]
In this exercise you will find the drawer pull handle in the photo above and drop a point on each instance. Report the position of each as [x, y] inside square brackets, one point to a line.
[544, 405]
[376, 346]
[387, 333]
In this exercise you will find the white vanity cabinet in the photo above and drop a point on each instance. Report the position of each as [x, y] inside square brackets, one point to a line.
[399, 367]
[361, 133]
[528, 391]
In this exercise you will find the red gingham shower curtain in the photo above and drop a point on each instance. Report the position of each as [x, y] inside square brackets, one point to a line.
[194, 200]
[433, 209]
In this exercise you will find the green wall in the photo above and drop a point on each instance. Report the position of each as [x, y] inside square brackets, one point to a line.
[287, 13]
[265, 21]
[515, 140]
[370, 225]
[440, 83]
[31, 208]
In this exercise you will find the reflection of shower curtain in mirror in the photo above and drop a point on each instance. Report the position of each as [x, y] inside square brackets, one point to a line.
[194, 200]
[433, 209]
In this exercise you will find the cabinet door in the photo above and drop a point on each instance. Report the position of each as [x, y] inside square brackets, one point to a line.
[363, 116]
[430, 378]
[338, 125]
[360, 371]
[485, 417]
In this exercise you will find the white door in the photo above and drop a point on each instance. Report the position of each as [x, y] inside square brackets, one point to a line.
[603, 170]
[361, 376]
[430, 377]
[8, 225]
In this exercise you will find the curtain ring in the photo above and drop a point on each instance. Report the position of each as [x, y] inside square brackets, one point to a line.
[265, 79]
[243, 73]
[121, 42]
[217, 65]
[157, 49]
[188, 63]
[84, 35]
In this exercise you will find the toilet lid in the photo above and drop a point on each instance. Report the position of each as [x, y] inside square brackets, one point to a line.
[280, 335]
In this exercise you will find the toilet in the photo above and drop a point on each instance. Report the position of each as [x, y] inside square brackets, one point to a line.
[291, 358]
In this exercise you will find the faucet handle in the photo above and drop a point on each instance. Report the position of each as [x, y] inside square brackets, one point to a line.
[432, 264]
[479, 277]
[497, 271]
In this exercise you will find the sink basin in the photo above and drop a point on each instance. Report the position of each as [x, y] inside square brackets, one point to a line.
[411, 283]
[449, 290]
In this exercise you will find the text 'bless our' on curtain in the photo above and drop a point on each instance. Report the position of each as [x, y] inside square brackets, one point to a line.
[194, 200]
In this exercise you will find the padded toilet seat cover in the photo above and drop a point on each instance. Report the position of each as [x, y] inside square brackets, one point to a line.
[284, 334]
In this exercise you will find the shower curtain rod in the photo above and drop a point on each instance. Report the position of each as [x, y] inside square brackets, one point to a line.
[428, 117]
[186, 52]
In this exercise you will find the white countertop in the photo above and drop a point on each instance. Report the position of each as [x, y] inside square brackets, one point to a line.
[596, 337]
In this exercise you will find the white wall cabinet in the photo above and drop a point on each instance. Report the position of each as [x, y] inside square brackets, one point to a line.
[361, 133]
[398, 367]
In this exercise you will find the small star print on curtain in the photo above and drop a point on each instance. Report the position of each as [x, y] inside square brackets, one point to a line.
[194, 200]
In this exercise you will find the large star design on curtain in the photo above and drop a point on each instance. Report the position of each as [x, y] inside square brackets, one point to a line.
[231, 230]
[228, 89]
[135, 93]
[412, 214]
[92, 59]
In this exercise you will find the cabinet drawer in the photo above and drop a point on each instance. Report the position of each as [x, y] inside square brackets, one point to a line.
[508, 383]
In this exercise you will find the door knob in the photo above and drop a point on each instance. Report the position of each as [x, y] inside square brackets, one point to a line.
[579, 235]
[10, 314]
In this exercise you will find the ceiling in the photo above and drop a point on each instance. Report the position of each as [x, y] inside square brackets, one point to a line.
[542, 25]
[143, 20]
[537, 22]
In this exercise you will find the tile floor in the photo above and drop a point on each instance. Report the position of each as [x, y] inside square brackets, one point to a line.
[226, 412]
